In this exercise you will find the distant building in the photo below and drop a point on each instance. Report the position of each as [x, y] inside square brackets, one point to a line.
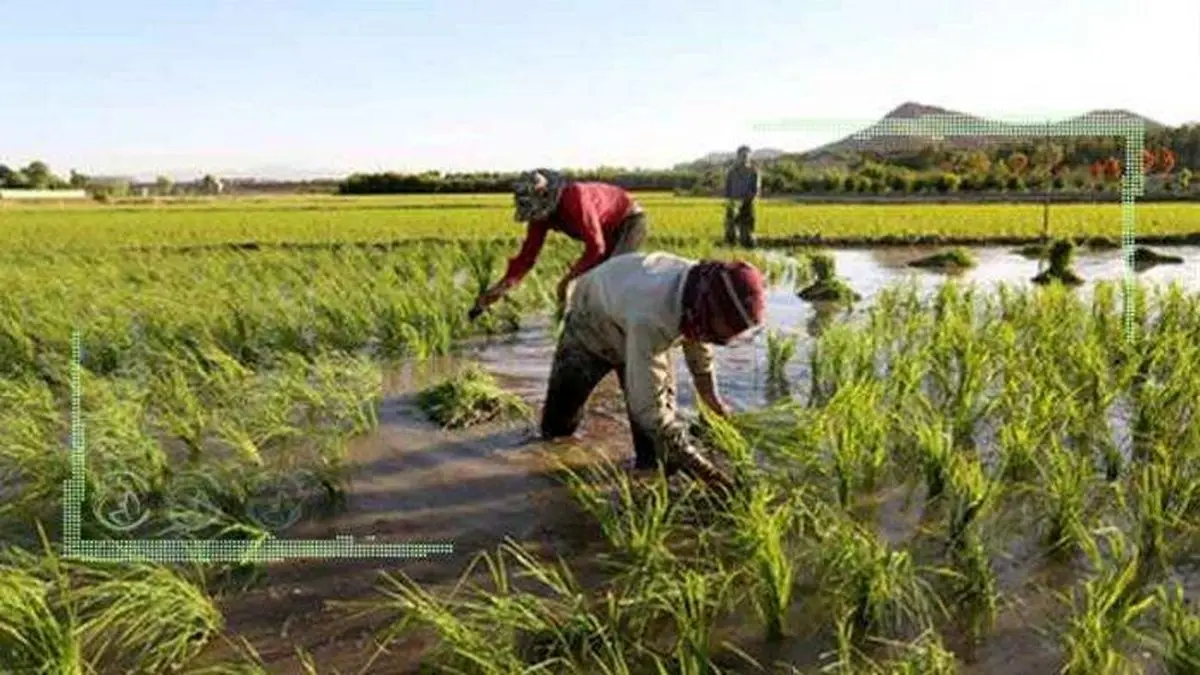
[17, 194]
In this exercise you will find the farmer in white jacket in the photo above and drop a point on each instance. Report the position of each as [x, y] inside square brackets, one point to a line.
[626, 315]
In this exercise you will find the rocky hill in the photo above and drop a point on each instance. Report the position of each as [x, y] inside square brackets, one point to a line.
[863, 141]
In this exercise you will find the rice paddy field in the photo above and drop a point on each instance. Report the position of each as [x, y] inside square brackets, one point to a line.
[947, 470]
[299, 220]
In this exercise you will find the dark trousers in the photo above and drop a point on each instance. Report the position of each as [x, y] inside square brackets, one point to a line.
[739, 223]
[630, 235]
[573, 377]
[575, 374]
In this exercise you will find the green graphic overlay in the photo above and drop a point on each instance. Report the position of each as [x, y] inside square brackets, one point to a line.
[122, 510]
[1132, 130]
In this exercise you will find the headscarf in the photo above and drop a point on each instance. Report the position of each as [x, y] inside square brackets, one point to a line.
[733, 291]
[536, 194]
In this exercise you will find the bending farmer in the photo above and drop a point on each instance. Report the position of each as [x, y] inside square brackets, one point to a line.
[604, 217]
[626, 315]
[742, 184]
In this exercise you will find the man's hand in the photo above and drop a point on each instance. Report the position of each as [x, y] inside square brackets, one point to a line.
[491, 295]
[706, 388]
[718, 407]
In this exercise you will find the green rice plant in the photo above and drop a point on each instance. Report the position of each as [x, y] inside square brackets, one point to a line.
[483, 259]
[466, 643]
[531, 616]
[849, 658]
[878, 585]
[637, 524]
[826, 286]
[721, 436]
[823, 265]
[780, 351]
[924, 655]
[761, 533]
[975, 587]
[1165, 493]
[1178, 631]
[1064, 495]
[857, 439]
[956, 258]
[841, 356]
[960, 371]
[694, 599]
[1025, 429]
[1106, 610]
[1163, 392]
[66, 617]
[1061, 256]
[470, 397]
[972, 495]
[933, 447]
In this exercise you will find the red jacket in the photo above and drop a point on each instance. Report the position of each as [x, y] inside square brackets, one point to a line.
[587, 212]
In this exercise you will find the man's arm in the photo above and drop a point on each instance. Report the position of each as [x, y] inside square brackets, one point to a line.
[519, 266]
[702, 365]
[756, 184]
[647, 374]
[646, 377]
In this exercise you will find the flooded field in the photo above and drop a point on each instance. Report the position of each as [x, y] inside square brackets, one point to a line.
[416, 483]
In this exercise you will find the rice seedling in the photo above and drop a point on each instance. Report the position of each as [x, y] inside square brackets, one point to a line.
[1177, 639]
[694, 599]
[1145, 257]
[781, 349]
[926, 654]
[1065, 486]
[1106, 611]
[933, 448]
[468, 398]
[879, 586]
[858, 442]
[1165, 492]
[761, 532]
[827, 287]
[951, 260]
[69, 617]
[637, 524]
[1061, 255]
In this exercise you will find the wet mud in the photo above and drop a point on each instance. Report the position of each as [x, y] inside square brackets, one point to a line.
[413, 482]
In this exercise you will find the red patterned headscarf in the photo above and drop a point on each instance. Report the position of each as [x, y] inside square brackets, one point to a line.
[734, 291]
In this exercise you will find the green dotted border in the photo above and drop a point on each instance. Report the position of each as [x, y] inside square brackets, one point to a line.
[1132, 130]
[204, 550]
[1132, 186]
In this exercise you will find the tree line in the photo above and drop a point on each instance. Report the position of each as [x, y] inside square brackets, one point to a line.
[1063, 165]
[1074, 164]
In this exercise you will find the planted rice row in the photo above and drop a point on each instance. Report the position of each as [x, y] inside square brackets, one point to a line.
[387, 220]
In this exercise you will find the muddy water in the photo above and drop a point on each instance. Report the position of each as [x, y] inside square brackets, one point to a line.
[415, 483]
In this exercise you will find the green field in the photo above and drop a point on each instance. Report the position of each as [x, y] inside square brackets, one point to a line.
[383, 219]
[956, 474]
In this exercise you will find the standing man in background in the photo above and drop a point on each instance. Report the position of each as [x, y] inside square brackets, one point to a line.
[742, 184]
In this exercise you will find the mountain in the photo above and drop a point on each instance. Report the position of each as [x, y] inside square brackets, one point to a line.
[864, 141]
[1097, 116]
[718, 158]
[867, 141]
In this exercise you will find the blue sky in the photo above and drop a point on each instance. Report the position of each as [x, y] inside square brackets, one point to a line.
[139, 88]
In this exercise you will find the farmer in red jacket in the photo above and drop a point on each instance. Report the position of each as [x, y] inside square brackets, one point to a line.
[604, 217]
